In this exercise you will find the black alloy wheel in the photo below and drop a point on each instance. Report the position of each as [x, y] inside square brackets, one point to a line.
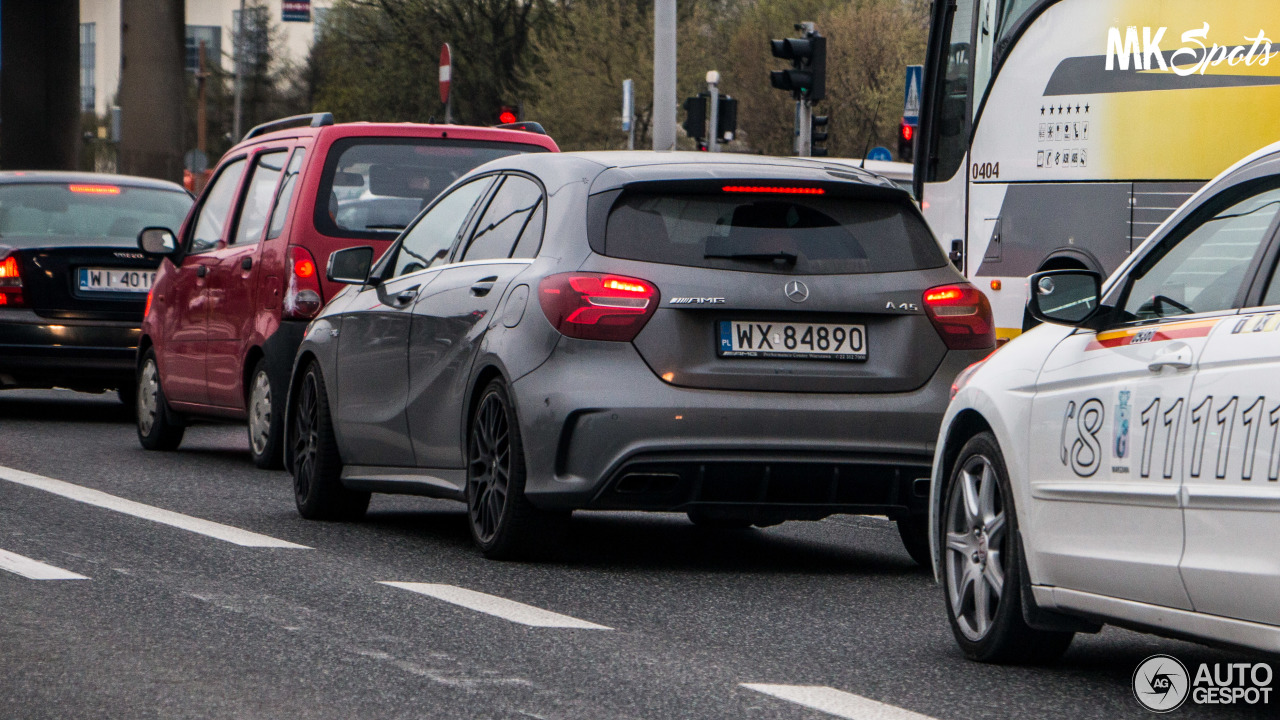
[317, 465]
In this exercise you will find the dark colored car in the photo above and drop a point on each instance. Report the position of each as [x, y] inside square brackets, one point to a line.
[747, 341]
[73, 285]
[240, 280]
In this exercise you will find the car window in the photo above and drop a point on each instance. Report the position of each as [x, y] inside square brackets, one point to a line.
[281, 211]
[505, 219]
[32, 212]
[216, 208]
[1203, 271]
[257, 202]
[531, 239]
[429, 241]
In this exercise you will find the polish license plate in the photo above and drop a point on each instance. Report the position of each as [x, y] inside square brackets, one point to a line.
[116, 280]
[805, 341]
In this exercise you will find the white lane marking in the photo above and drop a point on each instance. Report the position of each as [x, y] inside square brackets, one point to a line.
[836, 702]
[34, 569]
[496, 606]
[146, 512]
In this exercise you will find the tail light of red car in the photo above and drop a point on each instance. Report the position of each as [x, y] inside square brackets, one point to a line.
[597, 306]
[10, 283]
[962, 316]
[304, 298]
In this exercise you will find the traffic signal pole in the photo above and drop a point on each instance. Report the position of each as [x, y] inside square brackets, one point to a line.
[664, 75]
[713, 86]
[804, 128]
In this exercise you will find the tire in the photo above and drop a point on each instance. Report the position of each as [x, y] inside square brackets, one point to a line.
[158, 427]
[914, 532]
[503, 523]
[982, 563]
[317, 466]
[721, 520]
[266, 422]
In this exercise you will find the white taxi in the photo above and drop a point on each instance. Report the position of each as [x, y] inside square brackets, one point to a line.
[1121, 463]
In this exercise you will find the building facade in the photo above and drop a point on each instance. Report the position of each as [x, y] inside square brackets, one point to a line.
[212, 21]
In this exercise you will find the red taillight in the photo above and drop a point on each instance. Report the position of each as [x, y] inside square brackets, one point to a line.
[11, 283]
[147, 309]
[596, 306]
[95, 189]
[772, 190]
[962, 316]
[304, 297]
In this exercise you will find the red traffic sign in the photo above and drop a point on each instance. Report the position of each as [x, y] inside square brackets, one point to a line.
[446, 72]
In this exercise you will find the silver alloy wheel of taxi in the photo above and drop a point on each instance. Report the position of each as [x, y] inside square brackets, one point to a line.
[975, 558]
[148, 396]
[260, 412]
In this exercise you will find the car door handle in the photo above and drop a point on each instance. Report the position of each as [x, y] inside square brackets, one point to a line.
[1178, 358]
[202, 270]
[246, 264]
[482, 288]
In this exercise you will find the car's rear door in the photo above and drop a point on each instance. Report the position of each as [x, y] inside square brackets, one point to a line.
[373, 344]
[233, 281]
[1231, 489]
[452, 315]
[1115, 427]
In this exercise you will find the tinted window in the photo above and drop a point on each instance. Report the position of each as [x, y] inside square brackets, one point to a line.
[374, 186]
[531, 239]
[430, 240]
[281, 212]
[80, 211]
[257, 202]
[818, 236]
[505, 219]
[212, 220]
[1203, 271]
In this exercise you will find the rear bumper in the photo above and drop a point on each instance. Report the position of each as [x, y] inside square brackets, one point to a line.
[602, 431]
[78, 354]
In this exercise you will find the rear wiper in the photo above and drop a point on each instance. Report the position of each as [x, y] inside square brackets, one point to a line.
[786, 257]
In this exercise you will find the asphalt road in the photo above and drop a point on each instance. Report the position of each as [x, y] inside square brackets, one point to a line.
[172, 623]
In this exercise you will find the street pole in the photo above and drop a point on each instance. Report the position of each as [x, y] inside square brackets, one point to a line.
[713, 133]
[202, 131]
[804, 131]
[239, 61]
[664, 75]
[629, 112]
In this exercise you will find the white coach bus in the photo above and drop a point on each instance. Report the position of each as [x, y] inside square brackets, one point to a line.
[1060, 133]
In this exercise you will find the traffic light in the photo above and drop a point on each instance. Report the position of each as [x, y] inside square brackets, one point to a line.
[807, 78]
[818, 134]
[727, 119]
[507, 115]
[695, 125]
[906, 142]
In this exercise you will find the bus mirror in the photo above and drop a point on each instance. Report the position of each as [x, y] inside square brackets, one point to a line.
[1065, 297]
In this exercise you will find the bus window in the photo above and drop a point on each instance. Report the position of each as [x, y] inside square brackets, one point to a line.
[1010, 14]
[953, 112]
[984, 51]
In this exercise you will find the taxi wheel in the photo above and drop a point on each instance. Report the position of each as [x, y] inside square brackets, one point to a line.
[317, 466]
[503, 523]
[914, 532]
[158, 428]
[266, 424]
[982, 564]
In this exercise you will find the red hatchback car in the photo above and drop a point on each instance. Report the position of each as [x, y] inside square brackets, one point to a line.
[245, 273]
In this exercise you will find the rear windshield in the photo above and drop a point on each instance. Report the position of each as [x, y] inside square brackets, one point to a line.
[86, 210]
[805, 236]
[374, 187]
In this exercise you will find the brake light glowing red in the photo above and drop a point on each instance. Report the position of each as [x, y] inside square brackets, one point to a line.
[962, 316]
[304, 298]
[147, 309]
[95, 189]
[597, 306]
[11, 283]
[768, 190]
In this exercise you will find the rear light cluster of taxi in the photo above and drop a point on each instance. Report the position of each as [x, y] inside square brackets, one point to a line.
[303, 298]
[962, 316]
[597, 306]
[10, 283]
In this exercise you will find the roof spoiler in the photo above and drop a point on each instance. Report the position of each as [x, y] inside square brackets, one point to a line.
[313, 120]
[524, 126]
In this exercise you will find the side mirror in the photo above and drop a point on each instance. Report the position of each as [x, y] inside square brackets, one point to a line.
[157, 241]
[1065, 297]
[350, 266]
[956, 256]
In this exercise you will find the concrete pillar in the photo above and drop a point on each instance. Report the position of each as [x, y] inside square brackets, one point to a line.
[39, 84]
[152, 88]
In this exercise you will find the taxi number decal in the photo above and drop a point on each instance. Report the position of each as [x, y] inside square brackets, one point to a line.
[1083, 452]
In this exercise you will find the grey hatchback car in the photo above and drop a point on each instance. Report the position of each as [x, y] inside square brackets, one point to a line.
[745, 340]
